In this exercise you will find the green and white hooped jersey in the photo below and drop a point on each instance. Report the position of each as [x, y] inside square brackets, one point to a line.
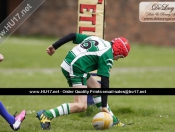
[91, 53]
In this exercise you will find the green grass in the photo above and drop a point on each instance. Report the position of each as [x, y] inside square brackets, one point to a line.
[26, 61]
[147, 113]
[26, 64]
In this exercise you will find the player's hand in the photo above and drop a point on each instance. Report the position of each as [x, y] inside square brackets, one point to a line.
[104, 109]
[50, 50]
[1, 57]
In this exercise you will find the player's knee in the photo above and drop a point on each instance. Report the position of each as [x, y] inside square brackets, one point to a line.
[82, 107]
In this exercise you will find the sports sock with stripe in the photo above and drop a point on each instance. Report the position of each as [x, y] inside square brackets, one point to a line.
[98, 103]
[63, 109]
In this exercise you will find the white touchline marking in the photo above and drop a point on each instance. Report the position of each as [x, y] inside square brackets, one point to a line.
[113, 70]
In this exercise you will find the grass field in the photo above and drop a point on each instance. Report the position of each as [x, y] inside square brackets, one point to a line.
[26, 65]
[148, 113]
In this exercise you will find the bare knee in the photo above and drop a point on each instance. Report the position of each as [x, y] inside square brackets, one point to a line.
[81, 107]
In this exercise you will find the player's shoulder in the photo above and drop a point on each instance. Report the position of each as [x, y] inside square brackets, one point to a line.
[95, 37]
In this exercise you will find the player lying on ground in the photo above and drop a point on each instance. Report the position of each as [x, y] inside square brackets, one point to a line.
[13, 120]
[91, 53]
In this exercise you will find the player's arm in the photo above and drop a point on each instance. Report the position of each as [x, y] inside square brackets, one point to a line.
[104, 98]
[75, 37]
[51, 49]
[65, 39]
[104, 85]
[105, 65]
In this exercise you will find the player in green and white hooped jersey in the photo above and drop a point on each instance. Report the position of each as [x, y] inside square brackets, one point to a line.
[91, 53]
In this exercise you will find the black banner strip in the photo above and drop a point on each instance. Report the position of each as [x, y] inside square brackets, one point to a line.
[83, 91]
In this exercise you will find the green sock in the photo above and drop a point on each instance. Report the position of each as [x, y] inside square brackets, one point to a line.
[63, 109]
[113, 116]
[98, 103]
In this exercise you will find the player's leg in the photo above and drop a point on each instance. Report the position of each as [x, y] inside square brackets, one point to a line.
[14, 121]
[92, 83]
[98, 103]
[79, 104]
[4, 113]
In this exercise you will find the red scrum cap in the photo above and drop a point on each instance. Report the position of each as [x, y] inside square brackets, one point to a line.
[120, 46]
